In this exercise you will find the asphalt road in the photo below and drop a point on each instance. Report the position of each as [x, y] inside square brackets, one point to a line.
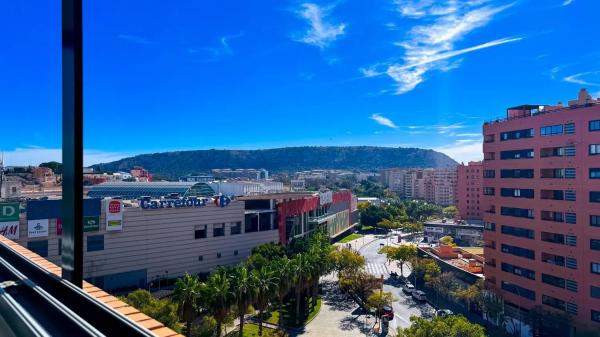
[404, 305]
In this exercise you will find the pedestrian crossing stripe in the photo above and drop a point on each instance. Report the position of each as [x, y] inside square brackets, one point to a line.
[377, 269]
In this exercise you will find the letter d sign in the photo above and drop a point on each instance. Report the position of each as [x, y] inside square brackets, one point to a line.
[8, 211]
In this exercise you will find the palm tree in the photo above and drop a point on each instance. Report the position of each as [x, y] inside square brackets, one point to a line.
[187, 292]
[242, 283]
[221, 296]
[282, 272]
[264, 284]
[301, 274]
[319, 265]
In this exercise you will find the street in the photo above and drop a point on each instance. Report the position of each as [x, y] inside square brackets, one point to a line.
[404, 306]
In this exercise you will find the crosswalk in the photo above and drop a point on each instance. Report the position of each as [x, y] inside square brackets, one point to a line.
[377, 269]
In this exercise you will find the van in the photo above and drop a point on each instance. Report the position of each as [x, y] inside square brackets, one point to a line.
[419, 295]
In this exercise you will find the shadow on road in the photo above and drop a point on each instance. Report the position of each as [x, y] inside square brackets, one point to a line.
[335, 299]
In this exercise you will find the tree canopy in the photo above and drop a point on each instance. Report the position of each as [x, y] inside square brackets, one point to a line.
[448, 326]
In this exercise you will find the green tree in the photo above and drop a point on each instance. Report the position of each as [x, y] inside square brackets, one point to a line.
[402, 254]
[448, 326]
[242, 284]
[450, 211]
[388, 224]
[425, 269]
[221, 297]
[444, 284]
[360, 283]
[301, 271]
[346, 261]
[377, 300]
[187, 291]
[265, 283]
[471, 294]
[56, 167]
[447, 240]
[163, 311]
[269, 251]
[282, 270]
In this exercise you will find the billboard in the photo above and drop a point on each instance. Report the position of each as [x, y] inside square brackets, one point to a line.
[91, 223]
[9, 220]
[114, 215]
[59, 225]
[37, 228]
[325, 198]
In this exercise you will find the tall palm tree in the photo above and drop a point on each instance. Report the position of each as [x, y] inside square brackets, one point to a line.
[242, 282]
[265, 283]
[221, 296]
[187, 291]
[301, 274]
[282, 272]
[319, 266]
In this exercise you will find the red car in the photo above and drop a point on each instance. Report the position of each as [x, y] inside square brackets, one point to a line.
[387, 311]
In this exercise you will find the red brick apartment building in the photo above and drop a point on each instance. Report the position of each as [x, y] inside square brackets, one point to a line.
[541, 207]
[469, 190]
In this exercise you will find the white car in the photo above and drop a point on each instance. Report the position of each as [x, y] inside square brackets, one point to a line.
[419, 295]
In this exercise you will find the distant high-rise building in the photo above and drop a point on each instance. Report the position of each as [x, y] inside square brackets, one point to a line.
[541, 202]
[432, 185]
[469, 190]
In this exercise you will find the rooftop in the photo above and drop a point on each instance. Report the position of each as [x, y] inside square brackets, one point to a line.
[135, 190]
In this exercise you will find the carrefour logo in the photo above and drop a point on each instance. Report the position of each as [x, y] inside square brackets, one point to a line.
[219, 201]
[114, 207]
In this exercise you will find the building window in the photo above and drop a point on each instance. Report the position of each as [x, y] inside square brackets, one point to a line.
[553, 259]
[571, 263]
[553, 238]
[595, 268]
[489, 226]
[95, 243]
[595, 292]
[594, 125]
[517, 193]
[218, 255]
[552, 216]
[38, 247]
[200, 258]
[487, 139]
[594, 149]
[554, 302]
[59, 246]
[570, 195]
[595, 220]
[236, 228]
[517, 231]
[200, 232]
[489, 156]
[517, 212]
[518, 251]
[595, 196]
[487, 191]
[235, 252]
[570, 151]
[517, 154]
[489, 173]
[523, 272]
[251, 223]
[219, 229]
[595, 173]
[517, 134]
[552, 280]
[595, 316]
[516, 173]
[551, 130]
[594, 244]
[569, 128]
[518, 290]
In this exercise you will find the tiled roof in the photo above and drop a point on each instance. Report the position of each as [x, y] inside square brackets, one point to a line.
[156, 327]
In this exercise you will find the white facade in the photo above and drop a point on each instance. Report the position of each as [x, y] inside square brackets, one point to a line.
[242, 188]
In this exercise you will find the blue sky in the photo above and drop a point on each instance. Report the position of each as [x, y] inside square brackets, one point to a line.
[179, 75]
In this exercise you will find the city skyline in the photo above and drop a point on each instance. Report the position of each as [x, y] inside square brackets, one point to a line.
[343, 73]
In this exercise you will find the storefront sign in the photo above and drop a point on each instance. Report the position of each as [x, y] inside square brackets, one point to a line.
[37, 228]
[114, 215]
[325, 198]
[91, 223]
[9, 212]
[176, 203]
[219, 201]
[10, 229]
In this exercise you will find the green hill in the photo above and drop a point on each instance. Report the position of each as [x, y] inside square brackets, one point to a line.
[288, 159]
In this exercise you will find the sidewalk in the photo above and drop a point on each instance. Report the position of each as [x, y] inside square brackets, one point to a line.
[358, 244]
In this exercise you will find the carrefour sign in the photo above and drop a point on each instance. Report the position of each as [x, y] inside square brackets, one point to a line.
[219, 201]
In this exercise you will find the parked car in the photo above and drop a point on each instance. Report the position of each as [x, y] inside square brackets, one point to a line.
[387, 311]
[419, 295]
[394, 275]
[444, 313]
[408, 288]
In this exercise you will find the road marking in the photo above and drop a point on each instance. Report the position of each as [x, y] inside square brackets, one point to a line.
[401, 318]
[377, 269]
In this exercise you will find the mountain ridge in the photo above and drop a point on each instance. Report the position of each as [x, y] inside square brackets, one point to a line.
[287, 159]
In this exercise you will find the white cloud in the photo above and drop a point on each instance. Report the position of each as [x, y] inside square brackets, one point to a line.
[474, 134]
[379, 119]
[577, 78]
[36, 155]
[463, 150]
[567, 2]
[320, 33]
[430, 43]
